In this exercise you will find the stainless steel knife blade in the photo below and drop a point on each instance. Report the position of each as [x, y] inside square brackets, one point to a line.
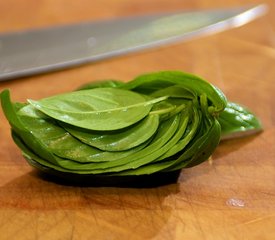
[41, 50]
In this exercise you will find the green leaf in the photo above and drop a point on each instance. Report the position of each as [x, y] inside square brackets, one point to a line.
[101, 109]
[118, 140]
[148, 83]
[238, 121]
[101, 84]
[38, 162]
[21, 130]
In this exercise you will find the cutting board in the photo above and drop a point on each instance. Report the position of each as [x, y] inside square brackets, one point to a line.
[230, 196]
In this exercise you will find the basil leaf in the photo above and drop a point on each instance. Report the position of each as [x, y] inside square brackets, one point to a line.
[101, 84]
[38, 162]
[18, 127]
[119, 140]
[187, 137]
[101, 109]
[159, 80]
[238, 121]
[198, 150]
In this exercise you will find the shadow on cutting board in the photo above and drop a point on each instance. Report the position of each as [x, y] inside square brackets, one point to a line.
[143, 181]
[34, 190]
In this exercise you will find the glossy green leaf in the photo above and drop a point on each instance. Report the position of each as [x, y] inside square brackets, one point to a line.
[101, 84]
[101, 109]
[151, 82]
[238, 121]
[119, 140]
[18, 127]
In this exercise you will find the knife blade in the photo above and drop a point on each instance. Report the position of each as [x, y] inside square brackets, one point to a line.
[36, 51]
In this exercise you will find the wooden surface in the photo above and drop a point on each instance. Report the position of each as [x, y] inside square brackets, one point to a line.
[230, 197]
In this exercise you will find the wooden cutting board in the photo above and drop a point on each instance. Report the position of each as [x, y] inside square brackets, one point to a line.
[231, 196]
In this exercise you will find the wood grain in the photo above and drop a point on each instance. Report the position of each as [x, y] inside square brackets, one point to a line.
[230, 197]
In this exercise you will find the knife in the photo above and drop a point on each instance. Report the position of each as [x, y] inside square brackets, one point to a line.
[42, 50]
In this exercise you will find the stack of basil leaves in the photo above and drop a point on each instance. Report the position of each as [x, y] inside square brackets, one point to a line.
[158, 122]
